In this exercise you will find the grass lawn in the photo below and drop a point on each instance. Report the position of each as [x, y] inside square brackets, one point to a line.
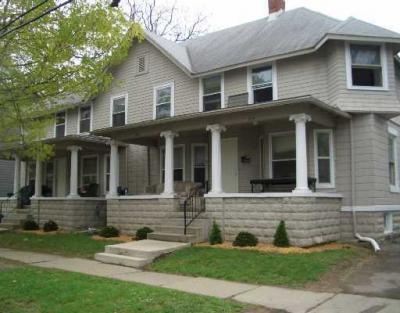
[73, 245]
[31, 290]
[293, 270]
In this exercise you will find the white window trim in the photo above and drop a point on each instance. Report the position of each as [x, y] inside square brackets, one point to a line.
[395, 188]
[201, 91]
[250, 81]
[90, 156]
[331, 158]
[155, 89]
[388, 223]
[349, 76]
[105, 173]
[261, 155]
[192, 158]
[162, 148]
[65, 123]
[270, 135]
[91, 118]
[115, 97]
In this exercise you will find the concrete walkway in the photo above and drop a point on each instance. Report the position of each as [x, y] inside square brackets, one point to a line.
[290, 300]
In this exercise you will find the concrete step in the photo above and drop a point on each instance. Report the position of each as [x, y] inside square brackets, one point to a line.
[122, 260]
[9, 226]
[147, 249]
[3, 230]
[172, 237]
[191, 230]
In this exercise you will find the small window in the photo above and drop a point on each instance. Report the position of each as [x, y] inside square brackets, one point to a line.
[261, 85]
[366, 66]
[85, 119]
[60, 124]
[212, 93]
[141, 64]
[393, 166]
[324, 163]
[118, 111]
[283, 150]
[89, 170]
[179, 156]
[388, 223]
[163, 101]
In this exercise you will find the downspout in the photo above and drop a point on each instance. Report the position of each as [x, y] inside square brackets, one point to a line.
[353, 195]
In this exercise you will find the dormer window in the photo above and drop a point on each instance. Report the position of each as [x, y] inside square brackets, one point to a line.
[118, 111]
[212, 93]
[85, 114]
[366, 68]
[60, 124]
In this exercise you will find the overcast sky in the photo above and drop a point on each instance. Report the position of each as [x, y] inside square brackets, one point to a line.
[226, 13]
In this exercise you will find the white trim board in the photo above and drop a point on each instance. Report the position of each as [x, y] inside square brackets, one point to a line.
[371, 208]
[274, 195]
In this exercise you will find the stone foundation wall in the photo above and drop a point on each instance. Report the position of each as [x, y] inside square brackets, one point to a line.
[128, 215]
[70, 214]
[309, 220]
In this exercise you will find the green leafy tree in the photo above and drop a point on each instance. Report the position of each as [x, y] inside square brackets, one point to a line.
[64, 55]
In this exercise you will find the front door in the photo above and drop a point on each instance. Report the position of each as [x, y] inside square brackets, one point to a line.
[199, 163]
[230, 172]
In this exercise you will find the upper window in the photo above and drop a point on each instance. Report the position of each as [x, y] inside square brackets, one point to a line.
[179, 163]
[283, 155]
[118, 111]
[393, 165]
[85, 114]
[212, 93]
[164, 101]
[60, 124]
[324, 161]
[366, 66]
[261, 85]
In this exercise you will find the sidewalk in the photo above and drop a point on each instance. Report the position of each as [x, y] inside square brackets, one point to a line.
[294, 301]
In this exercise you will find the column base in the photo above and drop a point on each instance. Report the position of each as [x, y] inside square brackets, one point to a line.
[111, 196]
[73, 197]
[215, 192]
[302, 191]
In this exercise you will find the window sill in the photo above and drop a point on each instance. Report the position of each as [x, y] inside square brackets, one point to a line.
[367, 88]
[394, 189]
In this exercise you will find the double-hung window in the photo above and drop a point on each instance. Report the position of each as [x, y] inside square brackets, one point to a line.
[261, 85]
[283, 155]
[164, 101]
[60, 124]
[212, 97]
[324, 160]
[366, 68]
[393, 161]
[118, 110]
[179, 163]
[85, 114]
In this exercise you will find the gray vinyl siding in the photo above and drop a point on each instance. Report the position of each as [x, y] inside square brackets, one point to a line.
[72, 122]
[6, 177]
[235, 83]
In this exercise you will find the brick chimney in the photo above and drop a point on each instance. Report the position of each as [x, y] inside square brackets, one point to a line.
[276, 6]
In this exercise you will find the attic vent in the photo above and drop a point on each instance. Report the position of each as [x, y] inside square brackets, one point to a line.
[141, 65]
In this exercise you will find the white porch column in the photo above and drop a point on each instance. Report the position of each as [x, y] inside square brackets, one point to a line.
[23, 174]
[169, 162]
[73, 189]
[17, 174]
[216, 159]
[114, 169]
[301, 152]
[38, 179]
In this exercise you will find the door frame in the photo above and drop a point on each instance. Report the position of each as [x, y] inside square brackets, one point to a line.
[193, 145]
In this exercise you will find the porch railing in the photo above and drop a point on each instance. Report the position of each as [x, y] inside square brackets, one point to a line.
[5, 208]
[193, 206]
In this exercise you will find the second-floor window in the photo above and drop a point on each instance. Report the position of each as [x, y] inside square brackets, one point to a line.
[163, 101]
[212, 93]
[367, 68]
[261, 85]
[118, 111]
[85, 114]
[60, 124]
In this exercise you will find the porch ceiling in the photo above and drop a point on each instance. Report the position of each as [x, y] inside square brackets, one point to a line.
[148, 132]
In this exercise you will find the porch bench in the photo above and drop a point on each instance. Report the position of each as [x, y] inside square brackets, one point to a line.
[266, 184]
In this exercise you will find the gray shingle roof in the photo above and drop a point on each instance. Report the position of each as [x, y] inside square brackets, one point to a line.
[294, 31]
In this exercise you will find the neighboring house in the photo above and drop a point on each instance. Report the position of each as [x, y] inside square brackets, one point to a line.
[291, 97]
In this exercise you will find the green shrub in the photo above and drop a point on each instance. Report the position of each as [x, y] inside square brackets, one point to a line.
[30, 225]
[281, 238]
[141, 233]
[50, 226]
[108, 232]
[245, 239]
[215, 235]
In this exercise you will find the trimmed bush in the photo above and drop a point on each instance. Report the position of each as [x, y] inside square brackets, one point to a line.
[281, 238]
[30, 225]
[50, 226]
[141, 233]
[108, 232]
[215, 235]
[245, 239]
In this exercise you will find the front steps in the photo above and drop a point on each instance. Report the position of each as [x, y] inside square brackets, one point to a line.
[138, 253]
[13, 219]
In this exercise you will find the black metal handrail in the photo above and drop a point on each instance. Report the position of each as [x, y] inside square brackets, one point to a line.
[193, 206]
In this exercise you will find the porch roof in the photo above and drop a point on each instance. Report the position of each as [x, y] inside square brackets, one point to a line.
[273, 110]
[88, 142]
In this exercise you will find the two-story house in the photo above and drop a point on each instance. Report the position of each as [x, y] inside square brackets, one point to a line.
[291, 117]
